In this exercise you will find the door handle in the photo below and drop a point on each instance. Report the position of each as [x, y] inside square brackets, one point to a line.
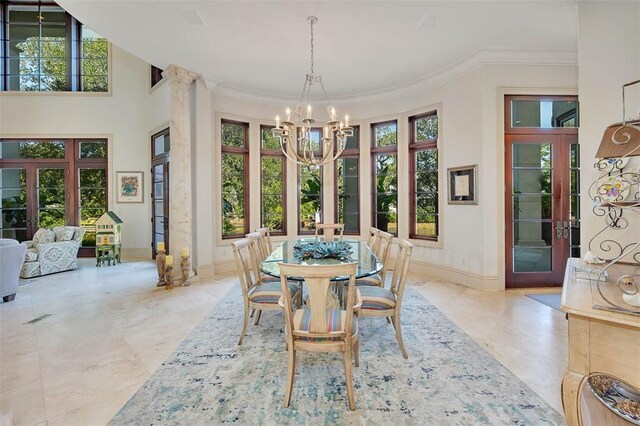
[559, 229]
[566, 229]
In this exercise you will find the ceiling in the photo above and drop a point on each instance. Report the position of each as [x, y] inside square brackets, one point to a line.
[362, 48]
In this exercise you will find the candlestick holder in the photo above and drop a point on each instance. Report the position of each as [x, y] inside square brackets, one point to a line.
[168, 277]
[160, 264]
[185, 265]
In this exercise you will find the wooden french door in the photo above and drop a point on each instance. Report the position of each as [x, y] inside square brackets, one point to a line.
[160, 162]
[35, 195]
[542, 228]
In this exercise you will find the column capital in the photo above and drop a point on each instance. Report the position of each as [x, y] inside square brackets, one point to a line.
[179, 76]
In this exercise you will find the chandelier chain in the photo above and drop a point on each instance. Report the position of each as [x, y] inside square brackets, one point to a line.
[312, 61]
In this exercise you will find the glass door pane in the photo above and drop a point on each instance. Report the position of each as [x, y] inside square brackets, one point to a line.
[160, 222]
[13, 210]
[532, 198]
[92, 201]
[574, 199]
[51, 198]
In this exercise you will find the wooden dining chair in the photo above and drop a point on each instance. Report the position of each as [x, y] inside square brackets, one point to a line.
[256, 295]
[262, 248]
[318, 328]
[266, 234]
[382, 302]
[329, 230]
[262, 251]
[374, 239]
[382, 249]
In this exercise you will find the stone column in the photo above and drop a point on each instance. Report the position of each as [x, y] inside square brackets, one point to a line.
[180, 216]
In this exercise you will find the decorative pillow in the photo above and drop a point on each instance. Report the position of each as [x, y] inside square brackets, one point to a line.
[30, 256]
[44, 235]
[64, 233]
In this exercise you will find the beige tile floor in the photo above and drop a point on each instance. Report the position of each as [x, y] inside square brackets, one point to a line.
[110, 328]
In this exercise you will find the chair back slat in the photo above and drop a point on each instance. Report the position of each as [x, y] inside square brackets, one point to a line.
[318, 291]
[401, 269]
[266, 234]
[385, 241]
[246, 263]
[318, 279]
[261, 248]
[329, 230]
[374, 240]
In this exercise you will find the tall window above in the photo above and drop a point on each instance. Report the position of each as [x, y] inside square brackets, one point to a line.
[94, 64]
[310, 193]
[348, 184]
[384, 158]
[273, 178]
[156, 75]
[423, 155]
[235, 180]
[45, 49]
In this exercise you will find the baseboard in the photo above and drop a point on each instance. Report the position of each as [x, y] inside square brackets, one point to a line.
[204, 271]
[136, 253]
[457, 276]
[224, 266]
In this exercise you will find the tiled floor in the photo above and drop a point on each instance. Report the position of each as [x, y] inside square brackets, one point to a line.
[110, 328]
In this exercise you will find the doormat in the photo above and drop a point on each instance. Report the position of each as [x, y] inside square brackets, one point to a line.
[552, 300]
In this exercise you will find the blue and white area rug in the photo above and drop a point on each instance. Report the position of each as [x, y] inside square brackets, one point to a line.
[447, 380]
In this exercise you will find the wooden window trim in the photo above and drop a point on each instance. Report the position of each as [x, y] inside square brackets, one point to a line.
[300, 230]
[416, 146]
[264, 152]
[539, 130]
[244, 151]
[348, 153]
[165, 132]
[156, 75]
[318, 154]
[73, 37]
[375, 151]
[72, 163]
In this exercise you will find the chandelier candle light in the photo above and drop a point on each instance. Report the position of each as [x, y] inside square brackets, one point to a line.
[334, 131]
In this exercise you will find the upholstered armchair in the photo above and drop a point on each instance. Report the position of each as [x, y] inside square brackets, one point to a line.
[52, 251]
[11, 258]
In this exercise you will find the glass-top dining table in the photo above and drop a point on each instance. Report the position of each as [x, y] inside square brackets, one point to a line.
[368, 263]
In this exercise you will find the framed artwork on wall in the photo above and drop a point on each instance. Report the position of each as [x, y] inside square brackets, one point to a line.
[463, 184]
[130, 187]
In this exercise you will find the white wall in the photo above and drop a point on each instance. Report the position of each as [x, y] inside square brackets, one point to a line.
[470, 107]
[609, 56]
[125, 117]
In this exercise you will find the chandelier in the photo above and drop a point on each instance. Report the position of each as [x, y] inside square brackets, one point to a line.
[307, 151]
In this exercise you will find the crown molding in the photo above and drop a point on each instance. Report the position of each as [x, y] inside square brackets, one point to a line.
[476, 59]
[210, 84]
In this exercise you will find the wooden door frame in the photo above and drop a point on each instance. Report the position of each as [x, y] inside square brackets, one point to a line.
[32, 206]
[163, 160]
[560, 199]
[568, 135]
